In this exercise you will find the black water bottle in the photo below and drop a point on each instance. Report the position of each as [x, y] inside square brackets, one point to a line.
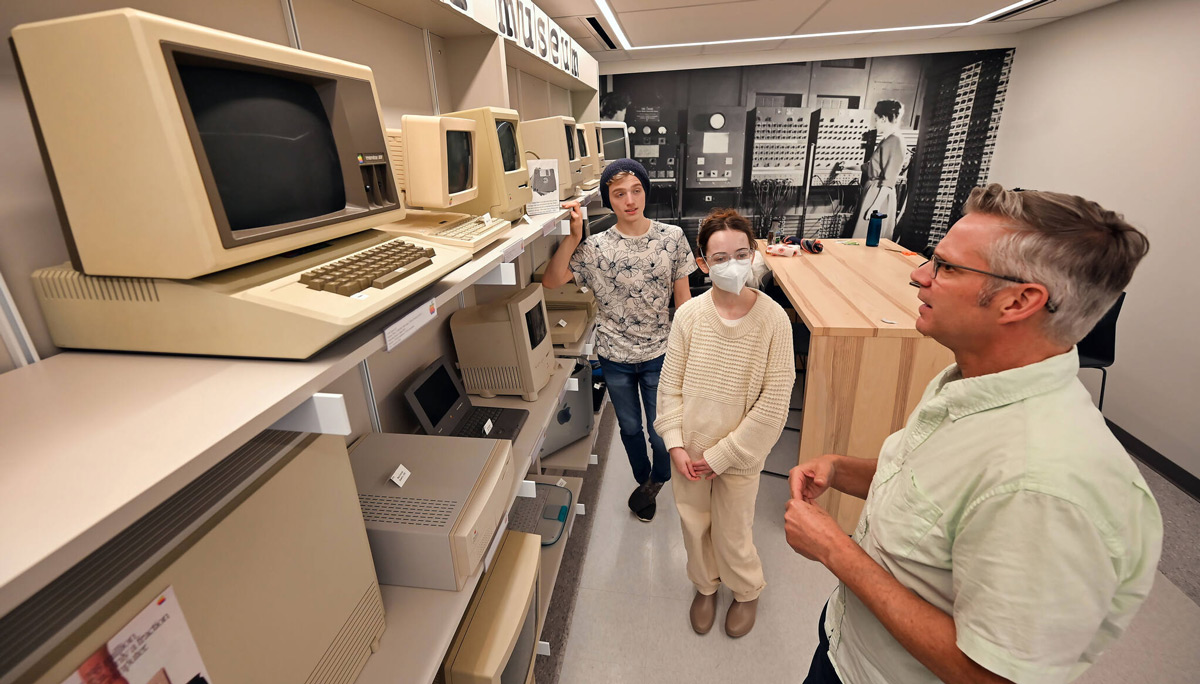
[874, 227]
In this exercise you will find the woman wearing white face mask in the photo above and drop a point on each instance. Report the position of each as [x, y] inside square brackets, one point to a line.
[722, 402]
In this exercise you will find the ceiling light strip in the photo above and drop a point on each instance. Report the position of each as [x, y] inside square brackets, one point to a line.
[612, 20]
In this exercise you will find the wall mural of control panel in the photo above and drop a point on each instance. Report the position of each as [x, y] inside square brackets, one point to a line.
[654, 137]
[716, 147]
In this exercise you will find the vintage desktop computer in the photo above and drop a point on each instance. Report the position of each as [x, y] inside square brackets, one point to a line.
[589, 173]
[435, 531]
[500, 154]
[504, 347]
[264, 555]
[436, 162]
[613, 140]
[219, 194]
[595, 151]
[554, 138]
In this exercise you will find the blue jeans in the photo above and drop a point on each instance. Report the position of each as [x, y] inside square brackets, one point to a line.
[623, 380]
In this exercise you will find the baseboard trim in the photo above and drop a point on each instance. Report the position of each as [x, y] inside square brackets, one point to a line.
[1164, 466]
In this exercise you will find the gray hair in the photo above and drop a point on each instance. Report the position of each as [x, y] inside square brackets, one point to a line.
[1082, 253]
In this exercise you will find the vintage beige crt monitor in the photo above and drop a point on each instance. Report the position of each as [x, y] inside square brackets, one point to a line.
[613, 137]
[496, 642]
[436, 163]
[500, 152]
[435, 531]
[589, 176]
[593, 155]
[554, 138]
[504, 346]
[268, 562]
[201, 179]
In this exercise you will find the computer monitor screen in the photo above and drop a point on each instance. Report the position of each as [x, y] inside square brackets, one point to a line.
[269, 145]
[535, 325]
[437, 395]
[510, 153]
[583, 146]
[615, 144]
[458, 161]
[571, 142]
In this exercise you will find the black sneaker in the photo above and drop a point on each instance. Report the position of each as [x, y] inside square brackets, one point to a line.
[644, 495]
[647, 513]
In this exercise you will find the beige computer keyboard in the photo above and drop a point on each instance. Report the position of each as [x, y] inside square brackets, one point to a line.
[458, 230]
[282, 307]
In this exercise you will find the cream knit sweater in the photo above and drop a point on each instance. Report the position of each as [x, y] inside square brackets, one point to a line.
[724, 390]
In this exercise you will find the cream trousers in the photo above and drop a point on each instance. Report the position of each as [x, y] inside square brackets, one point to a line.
[717, 517]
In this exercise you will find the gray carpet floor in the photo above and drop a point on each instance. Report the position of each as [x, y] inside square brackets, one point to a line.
[566, 588]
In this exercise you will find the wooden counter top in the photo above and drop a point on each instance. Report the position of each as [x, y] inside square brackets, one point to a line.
[849, 290]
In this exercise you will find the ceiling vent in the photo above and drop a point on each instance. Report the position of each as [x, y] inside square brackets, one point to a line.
[1019, 11]
[598, 31]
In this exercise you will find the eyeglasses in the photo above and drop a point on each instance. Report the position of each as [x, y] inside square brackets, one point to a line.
[939, 264]
[743, 254]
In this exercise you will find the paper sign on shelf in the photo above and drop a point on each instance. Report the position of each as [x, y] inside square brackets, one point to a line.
[513, 252]
[405, 327]
[487, 427]
[543, 182]
[400, 476]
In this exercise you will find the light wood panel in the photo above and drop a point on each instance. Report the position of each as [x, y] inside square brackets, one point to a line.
[864, 376]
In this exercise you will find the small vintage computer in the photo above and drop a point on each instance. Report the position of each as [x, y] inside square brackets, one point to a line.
[504, 347]
[217, 193]
[613, 137]
[554, 138]
[443, 409]
[436, 162]
[500, 153]
[595, 151]
[268, 561]
[589, 170]
[435, 530]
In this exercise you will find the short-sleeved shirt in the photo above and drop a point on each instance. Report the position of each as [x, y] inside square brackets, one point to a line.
[1007, 503]
[633, 279]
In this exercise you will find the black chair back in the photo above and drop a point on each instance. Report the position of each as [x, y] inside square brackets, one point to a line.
[1098, 349]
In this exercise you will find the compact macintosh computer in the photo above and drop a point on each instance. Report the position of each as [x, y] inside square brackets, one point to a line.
[595, 151]
[500, 152]
[589, 169]
[504, 347]
[555, 138]
[613, 139]
[219, 194]
[435, 159]
[442, 407]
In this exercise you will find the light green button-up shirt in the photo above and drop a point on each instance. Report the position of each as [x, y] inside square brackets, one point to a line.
[1007, 503]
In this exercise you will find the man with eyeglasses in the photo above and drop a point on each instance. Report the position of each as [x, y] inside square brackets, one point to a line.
[1006, 534]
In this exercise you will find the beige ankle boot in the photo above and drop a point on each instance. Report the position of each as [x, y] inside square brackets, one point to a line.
[703, 612]
[740, 618]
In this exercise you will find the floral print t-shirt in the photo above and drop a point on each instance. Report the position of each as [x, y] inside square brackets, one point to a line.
[633, 281]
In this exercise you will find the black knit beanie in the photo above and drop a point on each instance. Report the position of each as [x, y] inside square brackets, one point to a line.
[618, 166]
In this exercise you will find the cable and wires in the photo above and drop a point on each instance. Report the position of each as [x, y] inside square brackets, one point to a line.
[770, 197]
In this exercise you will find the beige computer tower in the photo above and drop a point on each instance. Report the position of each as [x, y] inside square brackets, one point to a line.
[435, 530]
[277, 586]
[504, 347]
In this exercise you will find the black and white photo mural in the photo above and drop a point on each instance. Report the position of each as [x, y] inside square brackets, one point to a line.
[811, 148]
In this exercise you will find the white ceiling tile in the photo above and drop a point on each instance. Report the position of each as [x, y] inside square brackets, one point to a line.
[590, 44]
[636, 5]
[1063, 8]
[998, 28]
[899, 36]
[610, 56]
[725, 21]
[855, 15]
[656, 53]
[567, 8]
[736, 48]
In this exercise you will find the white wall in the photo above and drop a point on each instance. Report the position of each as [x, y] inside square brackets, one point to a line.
[1106, 105]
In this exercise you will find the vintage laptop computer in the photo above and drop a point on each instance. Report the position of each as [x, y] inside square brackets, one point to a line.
[440, 402]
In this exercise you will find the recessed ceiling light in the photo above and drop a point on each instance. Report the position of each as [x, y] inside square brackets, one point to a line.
[605, 10]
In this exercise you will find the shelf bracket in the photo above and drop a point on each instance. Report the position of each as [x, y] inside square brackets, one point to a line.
[528, 489]
[580, 509]
[323, 414]
[543, 648]
[502, 274]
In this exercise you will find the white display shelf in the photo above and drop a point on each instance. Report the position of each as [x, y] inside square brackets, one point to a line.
[578, 454]
[552, 556]
[521, 59]
[92, 441]
[533, 433]
[436, 16]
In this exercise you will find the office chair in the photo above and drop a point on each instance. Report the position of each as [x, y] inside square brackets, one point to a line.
[1098, 349]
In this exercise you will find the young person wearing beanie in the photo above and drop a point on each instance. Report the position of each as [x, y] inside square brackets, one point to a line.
[633, 269]
[723, 401]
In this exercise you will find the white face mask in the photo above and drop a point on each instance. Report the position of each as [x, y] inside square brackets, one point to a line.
[732, 275]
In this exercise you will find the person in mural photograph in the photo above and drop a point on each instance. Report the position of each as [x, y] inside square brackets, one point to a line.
[881, 172]
[613, 106]
[634, 269]
[723, 401]
[1007, 535]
